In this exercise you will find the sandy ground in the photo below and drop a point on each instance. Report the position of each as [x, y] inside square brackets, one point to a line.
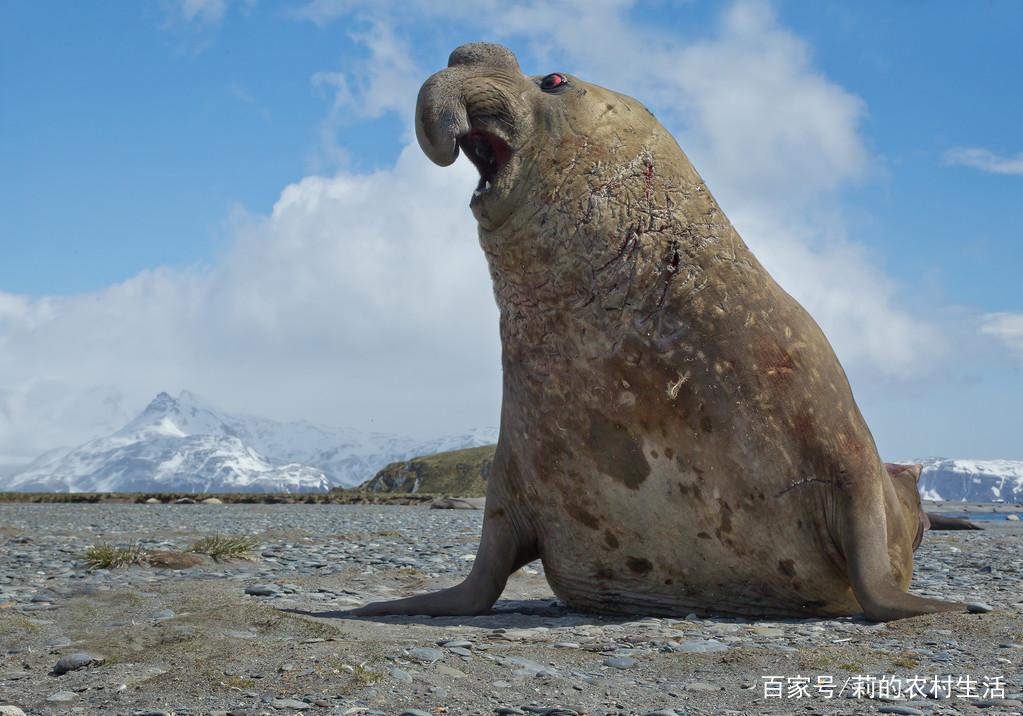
[193, 641]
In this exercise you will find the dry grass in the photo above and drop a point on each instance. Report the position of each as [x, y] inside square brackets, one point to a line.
[107, 556]
[225, 547]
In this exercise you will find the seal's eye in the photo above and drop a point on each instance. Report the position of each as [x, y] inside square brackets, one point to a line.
[553, 82]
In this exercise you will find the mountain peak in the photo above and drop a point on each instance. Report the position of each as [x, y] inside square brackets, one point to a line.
[182, 444]
[161, 403]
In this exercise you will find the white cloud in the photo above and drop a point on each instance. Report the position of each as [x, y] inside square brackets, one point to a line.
[386, 81]
[365, 297]
[323, 12]
[985, 160]
[361, 297]
[1007, 327]
[204, 12]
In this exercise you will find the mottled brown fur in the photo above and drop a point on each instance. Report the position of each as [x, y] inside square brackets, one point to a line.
[646, 349]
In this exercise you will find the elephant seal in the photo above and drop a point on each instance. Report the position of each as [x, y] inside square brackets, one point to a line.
[906, 478]
[676, 433]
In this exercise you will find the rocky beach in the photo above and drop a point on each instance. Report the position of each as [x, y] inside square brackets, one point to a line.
[183, 633]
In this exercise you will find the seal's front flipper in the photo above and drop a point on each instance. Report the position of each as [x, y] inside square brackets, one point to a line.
[865, 544]
[501, 552]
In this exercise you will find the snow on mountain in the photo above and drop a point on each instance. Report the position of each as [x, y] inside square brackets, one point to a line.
[183, 445]
[971, 480]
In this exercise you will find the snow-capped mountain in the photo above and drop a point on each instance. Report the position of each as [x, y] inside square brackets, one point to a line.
[971, 480]
[183, 445]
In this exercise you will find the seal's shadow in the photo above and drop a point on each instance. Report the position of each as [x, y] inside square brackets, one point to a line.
[505, 614]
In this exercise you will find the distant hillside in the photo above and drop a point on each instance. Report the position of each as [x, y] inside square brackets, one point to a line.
[459, 472]
[971, 480]
[184, 445]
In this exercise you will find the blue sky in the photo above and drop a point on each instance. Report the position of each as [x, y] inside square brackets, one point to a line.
[145, 147]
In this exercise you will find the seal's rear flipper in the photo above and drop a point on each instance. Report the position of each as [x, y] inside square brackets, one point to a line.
[940, 522]
[865, 544]
[501, 552]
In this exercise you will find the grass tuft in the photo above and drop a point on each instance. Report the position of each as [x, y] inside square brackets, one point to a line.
[107, 556]
[225, 547]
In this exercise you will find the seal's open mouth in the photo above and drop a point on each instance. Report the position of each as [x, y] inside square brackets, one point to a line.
[489, 153]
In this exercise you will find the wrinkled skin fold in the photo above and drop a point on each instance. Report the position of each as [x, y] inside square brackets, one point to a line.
[677, 434]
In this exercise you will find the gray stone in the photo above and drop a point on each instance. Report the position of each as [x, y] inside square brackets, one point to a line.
[61, 697]
[979, 607]
[262, 590]
[11, 710]
[988, 703]
[401, 675]
[899, 709]
[426, 654]
[620, 662]
[528, 667]
[77, 660]
[414, 712]
[162, 615]
[293, 704]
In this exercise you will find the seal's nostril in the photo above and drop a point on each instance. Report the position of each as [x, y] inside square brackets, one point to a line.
[483, 53]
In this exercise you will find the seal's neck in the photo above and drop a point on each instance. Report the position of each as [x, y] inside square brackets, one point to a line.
[604, 252]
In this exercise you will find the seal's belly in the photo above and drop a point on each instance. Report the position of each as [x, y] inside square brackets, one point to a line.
[672, 547]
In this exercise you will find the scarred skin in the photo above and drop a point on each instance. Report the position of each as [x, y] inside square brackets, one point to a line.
[677, 434]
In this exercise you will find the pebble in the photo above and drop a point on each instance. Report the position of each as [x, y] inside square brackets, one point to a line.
[620, 662]
[289, 704]
[416, 712]
[978, 607]
[426, 654]
[77, 660]
[301, 569]
[899, 709]
[448, 671]
[988, 703]
[528, 667]
[61, 697]
[262, 590]
[401, 675]
[11, 710]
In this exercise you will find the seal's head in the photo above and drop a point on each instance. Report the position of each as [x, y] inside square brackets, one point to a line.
[520, 131]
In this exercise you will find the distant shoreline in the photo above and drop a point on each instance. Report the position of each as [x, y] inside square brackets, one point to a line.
[361, 497]
[338, 497]
[947, 507]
